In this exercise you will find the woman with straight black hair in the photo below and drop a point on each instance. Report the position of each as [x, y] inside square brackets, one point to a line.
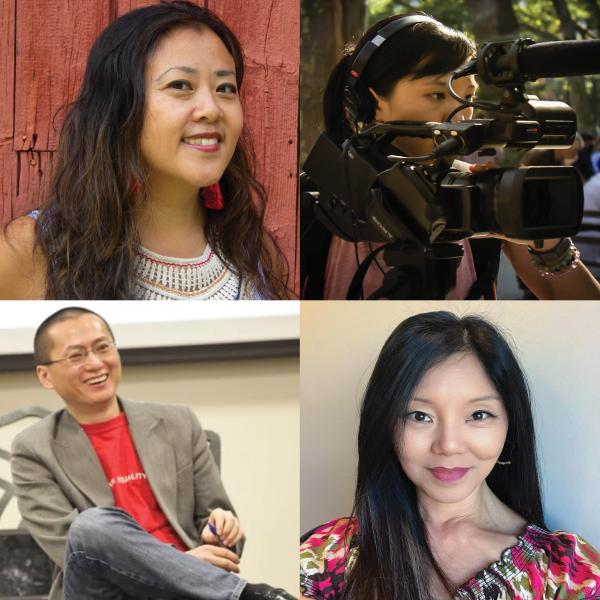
[405, 80]
[447, 501]
[153, 194]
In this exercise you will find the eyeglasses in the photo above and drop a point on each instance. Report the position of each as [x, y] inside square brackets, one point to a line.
[79, 356]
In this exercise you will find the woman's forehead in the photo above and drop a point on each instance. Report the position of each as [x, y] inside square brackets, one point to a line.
[460, 375]
[192, 48]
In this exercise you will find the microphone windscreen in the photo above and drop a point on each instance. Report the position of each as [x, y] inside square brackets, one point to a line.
[561, 59]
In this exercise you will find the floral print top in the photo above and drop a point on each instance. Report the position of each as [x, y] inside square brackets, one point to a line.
[542, 565]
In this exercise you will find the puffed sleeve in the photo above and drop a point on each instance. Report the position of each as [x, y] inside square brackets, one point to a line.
[325, 557]
[573, 569]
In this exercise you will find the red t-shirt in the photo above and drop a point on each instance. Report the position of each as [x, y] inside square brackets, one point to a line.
[126, 477]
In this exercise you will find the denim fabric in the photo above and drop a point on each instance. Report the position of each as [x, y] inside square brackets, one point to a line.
[110, 557]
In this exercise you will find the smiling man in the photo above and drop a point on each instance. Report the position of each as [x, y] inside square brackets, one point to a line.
[124, 497]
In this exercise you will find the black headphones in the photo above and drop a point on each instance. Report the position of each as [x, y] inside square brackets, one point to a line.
[354, 105]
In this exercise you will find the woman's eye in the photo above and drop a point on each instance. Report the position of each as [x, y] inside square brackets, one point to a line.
[418, 417]
[227, 88]
[180, 84]
[482, 415]
[438, 96]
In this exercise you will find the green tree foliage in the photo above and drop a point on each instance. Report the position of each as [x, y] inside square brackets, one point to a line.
[454, 14]
[537, 18]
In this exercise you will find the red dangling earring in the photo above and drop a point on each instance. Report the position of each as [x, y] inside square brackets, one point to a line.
[212, 196]
[134, 186]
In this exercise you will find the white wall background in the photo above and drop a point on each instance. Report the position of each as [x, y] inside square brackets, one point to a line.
[253, 405]
[558, 346]
[150, 324]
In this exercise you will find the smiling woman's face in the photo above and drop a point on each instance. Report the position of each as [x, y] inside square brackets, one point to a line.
[423, 99]
[193, 116]
[454, 430]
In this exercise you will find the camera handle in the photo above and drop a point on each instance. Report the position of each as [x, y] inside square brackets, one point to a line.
[416, 272]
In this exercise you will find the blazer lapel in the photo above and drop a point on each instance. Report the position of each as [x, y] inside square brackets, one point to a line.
[77, 458]
[156, 455]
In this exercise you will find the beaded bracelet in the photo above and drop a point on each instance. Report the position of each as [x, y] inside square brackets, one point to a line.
[559, 261]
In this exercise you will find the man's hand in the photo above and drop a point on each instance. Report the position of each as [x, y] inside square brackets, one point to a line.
[226, 530]
[217, 556]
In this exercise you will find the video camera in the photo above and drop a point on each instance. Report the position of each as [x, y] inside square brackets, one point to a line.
[365, 191]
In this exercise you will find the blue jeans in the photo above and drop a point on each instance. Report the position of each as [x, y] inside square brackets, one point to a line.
[110, 557]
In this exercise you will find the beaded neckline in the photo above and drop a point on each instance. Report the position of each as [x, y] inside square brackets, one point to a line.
[205, 277]
[205, 257]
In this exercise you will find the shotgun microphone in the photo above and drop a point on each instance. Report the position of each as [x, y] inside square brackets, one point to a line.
[560, 59]
[514, 62]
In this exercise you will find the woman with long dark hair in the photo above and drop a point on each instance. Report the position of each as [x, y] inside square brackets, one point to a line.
[405, 79]
[448, 501]
[153, 194]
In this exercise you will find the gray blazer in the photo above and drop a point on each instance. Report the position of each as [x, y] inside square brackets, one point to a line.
[57, 474]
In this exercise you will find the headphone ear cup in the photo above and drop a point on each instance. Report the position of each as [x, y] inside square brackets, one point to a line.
[351, 106]
[358, 105]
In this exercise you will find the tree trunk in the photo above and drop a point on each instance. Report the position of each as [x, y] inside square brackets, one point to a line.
[496, 19]
[326, 25]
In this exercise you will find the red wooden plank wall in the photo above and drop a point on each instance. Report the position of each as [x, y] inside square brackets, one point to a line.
[43, 50]
[8, 171]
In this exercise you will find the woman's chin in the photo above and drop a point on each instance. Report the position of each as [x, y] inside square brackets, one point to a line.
[207, 179]
[198, 183]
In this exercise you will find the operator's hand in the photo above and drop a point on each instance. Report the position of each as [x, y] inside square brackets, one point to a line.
[226, 530]
[217, 556]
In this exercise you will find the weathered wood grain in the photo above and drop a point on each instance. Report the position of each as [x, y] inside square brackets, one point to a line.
[8, 166]
[34, 170]
[53, 41]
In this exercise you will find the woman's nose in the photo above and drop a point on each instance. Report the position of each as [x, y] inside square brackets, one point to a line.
[458, 117]
[463, 115]
[448, 439]
[206, 107]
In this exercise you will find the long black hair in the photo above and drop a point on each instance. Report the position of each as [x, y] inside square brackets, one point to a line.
[427, 48]
[395, 560]
[87, 227]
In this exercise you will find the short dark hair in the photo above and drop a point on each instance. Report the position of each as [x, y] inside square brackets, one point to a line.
[42, 343]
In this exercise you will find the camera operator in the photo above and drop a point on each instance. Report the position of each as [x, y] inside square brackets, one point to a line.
[405, 80]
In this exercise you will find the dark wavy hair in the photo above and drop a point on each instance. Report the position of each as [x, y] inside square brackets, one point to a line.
[86, 229]
[395, 560]
[427, 48]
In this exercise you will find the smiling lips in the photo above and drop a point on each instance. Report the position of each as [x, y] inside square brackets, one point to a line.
[205, 142]
[98, 380]
[444, 474]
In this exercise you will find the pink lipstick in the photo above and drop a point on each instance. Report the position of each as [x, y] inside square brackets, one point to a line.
[444, 474]
[205, 142]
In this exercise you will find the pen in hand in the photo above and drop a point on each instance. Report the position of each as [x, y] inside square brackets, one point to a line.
[213, 530]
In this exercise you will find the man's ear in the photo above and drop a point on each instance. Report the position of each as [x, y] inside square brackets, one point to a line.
[43, 374]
